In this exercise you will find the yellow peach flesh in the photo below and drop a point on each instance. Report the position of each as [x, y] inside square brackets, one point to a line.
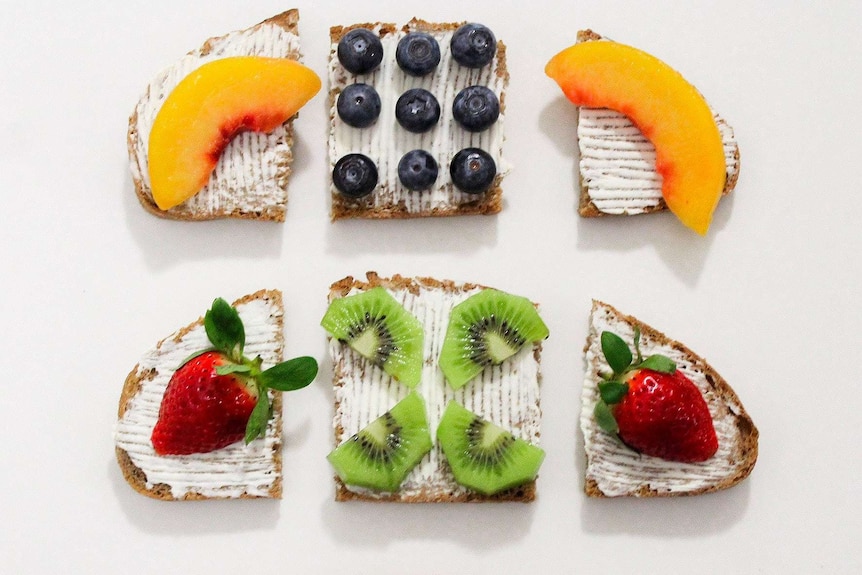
[668, 110]
[209, 107]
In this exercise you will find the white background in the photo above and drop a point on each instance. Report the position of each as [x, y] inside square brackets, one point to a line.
[771, 297]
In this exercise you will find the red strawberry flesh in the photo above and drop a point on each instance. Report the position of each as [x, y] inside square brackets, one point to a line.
[202, 411]
[665, 415]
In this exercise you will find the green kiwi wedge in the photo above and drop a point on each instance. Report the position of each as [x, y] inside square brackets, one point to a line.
[379, 328]
[486, 329]
[381, 455]
[483, 456]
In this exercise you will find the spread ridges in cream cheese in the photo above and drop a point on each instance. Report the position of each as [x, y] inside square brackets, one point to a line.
[507, 394]
[617, 162]
[619, 470]
[385, 142]
[252, 171]
[230, 472]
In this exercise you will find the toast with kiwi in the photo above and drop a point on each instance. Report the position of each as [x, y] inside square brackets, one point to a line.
[616, 469]
[395, 141]
[251, 176]
[406, 392]
[235, 471]
[617, 162]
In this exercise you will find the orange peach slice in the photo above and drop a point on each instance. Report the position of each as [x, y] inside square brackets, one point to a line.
[209, 107]
[668, 110]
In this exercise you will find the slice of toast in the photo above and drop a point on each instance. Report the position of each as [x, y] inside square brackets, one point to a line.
[617, 162]
[250, 179]
[615, 470]
[236, 471]
[385, 142]
[507, 394]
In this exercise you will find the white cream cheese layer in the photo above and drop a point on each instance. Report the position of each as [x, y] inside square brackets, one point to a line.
[617, 469]
[617, 162]
[507, 395]
[225, 473]
[385, 142]
[251, 174]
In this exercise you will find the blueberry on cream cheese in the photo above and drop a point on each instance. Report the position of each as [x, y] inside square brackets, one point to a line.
[358, 105]
[417, 110]
[473, 45]
[472, 170]
[476, 108]
[360, 51]
[417, 53]
[417, 170]
[355, 175]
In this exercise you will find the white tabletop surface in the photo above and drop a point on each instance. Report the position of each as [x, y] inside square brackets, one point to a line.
[771, 296]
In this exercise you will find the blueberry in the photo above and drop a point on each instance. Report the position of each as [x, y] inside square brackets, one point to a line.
[360, 51]
[473, 45]
[355, 175]
[417, 110]
[476, 108]
[358, 105]
[472, 170]
[417, 53]
[417, 170]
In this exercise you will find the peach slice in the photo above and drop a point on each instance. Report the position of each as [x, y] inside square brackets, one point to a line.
[209, 107]
[668, 110]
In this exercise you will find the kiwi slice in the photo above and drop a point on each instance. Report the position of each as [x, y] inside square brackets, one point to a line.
[382, 454]
[379, 328]
[486, 329]
[483, 456]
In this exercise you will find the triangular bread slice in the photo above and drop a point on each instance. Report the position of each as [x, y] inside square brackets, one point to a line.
[236, 471]
[507, 394]
[613, 470]
[250, 179]
[617, 162]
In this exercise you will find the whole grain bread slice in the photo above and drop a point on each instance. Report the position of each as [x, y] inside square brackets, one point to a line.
[254, 470]
[355, 381]
[390, 199]
[251, 177]
[613, 469]
[635, 189]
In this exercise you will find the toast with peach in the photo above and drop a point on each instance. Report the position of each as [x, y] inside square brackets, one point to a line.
[211, 137]
[647, 138]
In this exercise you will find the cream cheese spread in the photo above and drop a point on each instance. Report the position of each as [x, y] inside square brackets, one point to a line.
[385, 142]
[251, 174]
[507, 394]
[617, 162]
[617, 469]
[230, 472]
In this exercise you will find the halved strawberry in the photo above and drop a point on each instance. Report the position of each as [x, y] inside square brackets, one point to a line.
[653, 407]
[218, 396]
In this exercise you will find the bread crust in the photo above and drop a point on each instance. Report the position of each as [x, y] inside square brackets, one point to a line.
[524, 493]
[745, 451]
[588, 209]
[489, 202]
[137, 477]
[288, 21]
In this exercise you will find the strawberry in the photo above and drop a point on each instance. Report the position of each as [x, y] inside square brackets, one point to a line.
[652, 406]
[218, 396]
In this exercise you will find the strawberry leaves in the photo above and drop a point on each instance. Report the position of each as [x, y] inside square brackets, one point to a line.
[614, 387]
[225, 330]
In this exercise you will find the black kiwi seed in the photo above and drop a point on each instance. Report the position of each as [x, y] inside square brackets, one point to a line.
[385, 342]
[477, 332]
[377, 451]
[486, 455]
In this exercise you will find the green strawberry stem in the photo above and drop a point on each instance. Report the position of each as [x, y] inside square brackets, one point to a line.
[226, 332]
[614, 387]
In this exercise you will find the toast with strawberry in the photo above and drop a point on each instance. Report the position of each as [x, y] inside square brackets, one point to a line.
[657, 420]
[199, 416]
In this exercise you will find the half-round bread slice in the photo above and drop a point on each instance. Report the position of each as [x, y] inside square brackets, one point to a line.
[613, 469]
[236, 471]
[250, 178]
